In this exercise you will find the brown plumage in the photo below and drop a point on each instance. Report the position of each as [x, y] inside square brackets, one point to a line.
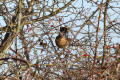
[61, 39]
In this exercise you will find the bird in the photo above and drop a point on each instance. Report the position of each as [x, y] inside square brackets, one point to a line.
[61, 40]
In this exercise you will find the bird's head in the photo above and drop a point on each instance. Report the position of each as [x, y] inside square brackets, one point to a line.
[63, 30]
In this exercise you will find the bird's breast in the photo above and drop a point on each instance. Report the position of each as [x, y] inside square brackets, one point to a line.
[61, 42]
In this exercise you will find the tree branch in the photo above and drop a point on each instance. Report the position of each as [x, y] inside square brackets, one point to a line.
[105, 31]
[6, 45]
[50, 15]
